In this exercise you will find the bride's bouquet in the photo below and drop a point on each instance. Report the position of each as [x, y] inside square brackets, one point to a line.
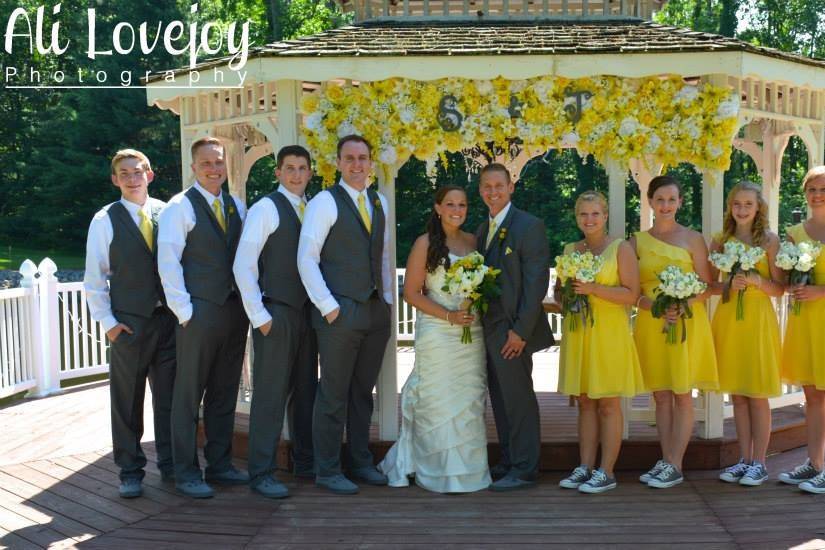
[468, 278]
[799, 260]
[577, 266]
[736, 258]
[675, 289]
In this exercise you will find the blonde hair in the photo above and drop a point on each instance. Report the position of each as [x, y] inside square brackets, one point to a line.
[203, 142]
[814, 173]
[130, 154]
[591, 196]
[760, 221]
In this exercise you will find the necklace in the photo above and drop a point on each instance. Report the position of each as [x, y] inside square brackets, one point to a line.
[601, 246]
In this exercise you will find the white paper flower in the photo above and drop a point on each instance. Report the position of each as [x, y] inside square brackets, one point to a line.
[314, 122]
[628, 127]
[728, 108]
[388, 155]
[687, 94]
[346, 129]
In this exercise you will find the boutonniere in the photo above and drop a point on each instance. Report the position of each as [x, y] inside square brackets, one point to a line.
[377, 203]
[231, 209]
[508, 251]
[502, 234]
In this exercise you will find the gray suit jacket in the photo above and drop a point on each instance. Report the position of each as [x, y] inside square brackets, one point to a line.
[520, 249]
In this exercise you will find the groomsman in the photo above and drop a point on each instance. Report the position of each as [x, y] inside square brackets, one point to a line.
[199, 233]
[124, 293]
[285, 369]
[344, 265]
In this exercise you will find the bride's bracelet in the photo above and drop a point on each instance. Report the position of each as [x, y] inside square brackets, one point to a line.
[448, 317]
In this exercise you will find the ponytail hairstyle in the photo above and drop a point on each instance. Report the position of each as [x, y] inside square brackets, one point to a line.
[760, 221]
[437, 251]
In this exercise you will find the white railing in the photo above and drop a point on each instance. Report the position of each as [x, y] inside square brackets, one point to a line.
[47, 335]
[406, 312]
[17, 369]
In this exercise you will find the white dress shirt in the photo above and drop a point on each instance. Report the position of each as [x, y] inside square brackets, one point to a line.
[98, 268]
[499, 218]
[320, 215]
[175, 223]
[262, 220]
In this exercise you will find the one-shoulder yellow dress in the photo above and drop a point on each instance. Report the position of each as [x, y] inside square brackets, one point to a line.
[803, 352]
[682, 366]
[601, 360]
[748, 351]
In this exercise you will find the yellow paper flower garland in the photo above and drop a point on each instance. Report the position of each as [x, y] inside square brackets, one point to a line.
[608, 117]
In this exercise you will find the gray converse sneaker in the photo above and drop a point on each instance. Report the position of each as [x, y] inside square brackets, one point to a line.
[653, 472]
[732, 474]
[801, 473]
[598, 483]
[814, 485]
[668, 477]
[579, 476]
[755, 475]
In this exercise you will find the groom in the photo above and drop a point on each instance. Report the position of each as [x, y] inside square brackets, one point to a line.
[515, 325]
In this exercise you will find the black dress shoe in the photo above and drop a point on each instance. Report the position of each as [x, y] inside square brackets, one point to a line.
[499, 471]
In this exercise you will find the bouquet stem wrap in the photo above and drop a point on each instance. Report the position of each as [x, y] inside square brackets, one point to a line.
[676, 287]
[798, 260]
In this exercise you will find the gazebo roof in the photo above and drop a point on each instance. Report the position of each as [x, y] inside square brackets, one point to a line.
[473, 48]
[413, 38]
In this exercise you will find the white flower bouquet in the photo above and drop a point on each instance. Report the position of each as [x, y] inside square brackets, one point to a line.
[736, 258]
[468, 278]
[675, 288]
[577, 266]
[799, 260]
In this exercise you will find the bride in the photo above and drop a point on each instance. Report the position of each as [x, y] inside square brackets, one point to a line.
[443, 440]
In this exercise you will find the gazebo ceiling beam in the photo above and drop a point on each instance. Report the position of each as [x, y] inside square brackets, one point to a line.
[742, 65]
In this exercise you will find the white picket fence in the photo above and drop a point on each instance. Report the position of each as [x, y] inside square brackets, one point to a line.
[47, 335]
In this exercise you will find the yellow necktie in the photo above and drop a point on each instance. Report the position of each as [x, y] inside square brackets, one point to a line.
[491, 232]
[302, 206]
[362, 209]
[145, 228]
[216, 208]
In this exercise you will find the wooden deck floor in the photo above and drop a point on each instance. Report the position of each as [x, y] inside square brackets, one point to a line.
[58, 489]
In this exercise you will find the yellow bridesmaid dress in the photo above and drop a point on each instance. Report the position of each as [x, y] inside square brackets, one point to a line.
[601, 361]
[748, 351]
[678, 367]
[803, 352]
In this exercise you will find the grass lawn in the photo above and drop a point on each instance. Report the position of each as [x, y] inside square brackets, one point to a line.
[12, 256]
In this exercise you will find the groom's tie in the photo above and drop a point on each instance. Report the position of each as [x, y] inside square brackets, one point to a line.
[491, 232]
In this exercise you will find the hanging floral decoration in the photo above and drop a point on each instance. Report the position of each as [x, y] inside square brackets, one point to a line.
[663, 119]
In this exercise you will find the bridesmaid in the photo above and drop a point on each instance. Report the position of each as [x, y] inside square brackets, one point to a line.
[598, 363]
[803, 353]
[671, 371]
[747, 351]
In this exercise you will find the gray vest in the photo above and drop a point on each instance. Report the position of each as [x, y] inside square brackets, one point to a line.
[134, 286]
[278, 267]
[351, 256]
[209, 252]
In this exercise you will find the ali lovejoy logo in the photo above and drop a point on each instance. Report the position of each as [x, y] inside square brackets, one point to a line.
[175, 37]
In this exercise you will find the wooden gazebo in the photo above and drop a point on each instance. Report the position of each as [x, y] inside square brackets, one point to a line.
[771, 96]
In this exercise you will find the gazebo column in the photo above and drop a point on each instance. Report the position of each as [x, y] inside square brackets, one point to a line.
[644, 170]
[234, 141]
[713, 411]
[187, 138]
[617, 182]
[387, 385]
[768, 160]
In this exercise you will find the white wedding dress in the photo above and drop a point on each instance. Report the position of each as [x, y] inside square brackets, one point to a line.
[443, 440]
